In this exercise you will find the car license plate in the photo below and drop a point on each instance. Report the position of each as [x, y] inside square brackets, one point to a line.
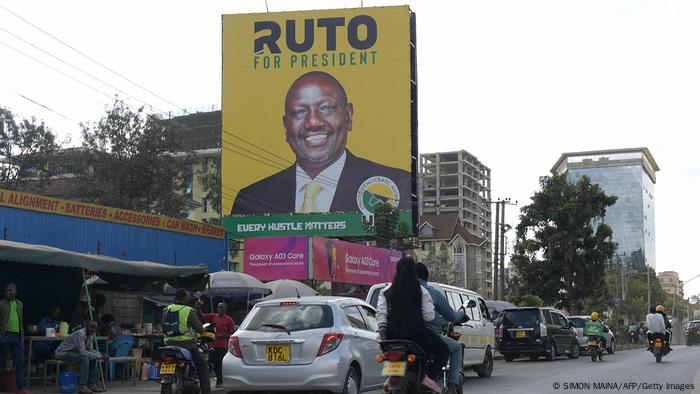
[658, 344]
[277, 354]
[167, 369]
[394, 368]
[591, 342]
[520, 334]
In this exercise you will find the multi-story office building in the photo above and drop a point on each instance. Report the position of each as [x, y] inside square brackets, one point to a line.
[629, 174]
[458, 185]
[670, 282]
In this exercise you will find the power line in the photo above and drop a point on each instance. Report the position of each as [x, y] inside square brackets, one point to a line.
[91, 59]
[37, 103]
[78, 69]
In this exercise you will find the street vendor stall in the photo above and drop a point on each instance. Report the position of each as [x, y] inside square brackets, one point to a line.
[47, 276]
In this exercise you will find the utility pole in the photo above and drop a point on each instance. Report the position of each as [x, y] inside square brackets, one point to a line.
[502, 269]
[496, 250]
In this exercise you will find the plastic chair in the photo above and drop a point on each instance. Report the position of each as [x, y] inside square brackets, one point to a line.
[120, 348]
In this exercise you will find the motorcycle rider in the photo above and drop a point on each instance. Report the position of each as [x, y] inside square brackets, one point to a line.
[660, 310]
[444, 314]
[655, 324]
[402, 311]
[595, 320]
[188, 325]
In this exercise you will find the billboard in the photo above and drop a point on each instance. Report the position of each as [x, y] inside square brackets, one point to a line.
[276, 258]
[346, 262]
[318, 118]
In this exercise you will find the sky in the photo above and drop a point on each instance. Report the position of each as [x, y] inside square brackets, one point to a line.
[516, 83]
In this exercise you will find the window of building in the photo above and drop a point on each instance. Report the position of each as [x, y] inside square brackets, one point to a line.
[205, 205]
[459, 247]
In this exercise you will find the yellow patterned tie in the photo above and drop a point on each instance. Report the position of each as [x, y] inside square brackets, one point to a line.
[311, 191]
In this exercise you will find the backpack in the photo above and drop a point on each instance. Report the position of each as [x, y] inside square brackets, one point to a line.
[171, 322]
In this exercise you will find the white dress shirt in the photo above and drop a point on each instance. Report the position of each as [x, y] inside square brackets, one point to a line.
[328, 179]
[656, 324]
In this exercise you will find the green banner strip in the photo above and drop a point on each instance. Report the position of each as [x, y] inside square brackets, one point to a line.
[321, 224]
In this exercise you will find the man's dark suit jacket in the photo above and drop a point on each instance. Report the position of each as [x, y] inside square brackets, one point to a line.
[277, 193]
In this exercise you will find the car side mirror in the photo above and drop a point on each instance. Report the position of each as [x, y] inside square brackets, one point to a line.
[571, 324]
[470, 304]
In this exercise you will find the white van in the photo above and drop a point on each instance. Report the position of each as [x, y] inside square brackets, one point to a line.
[479, 339]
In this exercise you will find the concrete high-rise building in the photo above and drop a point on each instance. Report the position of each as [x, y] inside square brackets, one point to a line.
[457, 184]
[670, 282]
[629, 174]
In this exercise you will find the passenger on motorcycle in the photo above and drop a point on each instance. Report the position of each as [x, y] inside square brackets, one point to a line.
[403, 310]
[444, 314]
[656, 325]
[188, 325]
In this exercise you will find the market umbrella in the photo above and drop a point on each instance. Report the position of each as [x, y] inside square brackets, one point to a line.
[235, 285]
[283, 288]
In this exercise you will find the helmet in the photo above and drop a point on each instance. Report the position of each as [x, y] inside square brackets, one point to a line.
[207, 336]
[594, 316]
[660, 308]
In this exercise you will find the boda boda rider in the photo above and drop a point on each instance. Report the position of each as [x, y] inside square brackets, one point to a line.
[402, 312]
[595, 319]
[444, 314]
[667, 324]
[188, 327]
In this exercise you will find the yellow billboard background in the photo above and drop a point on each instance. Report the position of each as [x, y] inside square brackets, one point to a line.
[253, 96]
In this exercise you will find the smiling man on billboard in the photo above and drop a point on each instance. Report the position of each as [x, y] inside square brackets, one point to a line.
[326, 176]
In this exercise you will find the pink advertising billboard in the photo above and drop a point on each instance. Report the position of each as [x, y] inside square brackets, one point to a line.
[276, 258]
[345, 262]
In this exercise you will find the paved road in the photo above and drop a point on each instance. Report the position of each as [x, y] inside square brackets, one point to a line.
[633, 371]
[634, 368]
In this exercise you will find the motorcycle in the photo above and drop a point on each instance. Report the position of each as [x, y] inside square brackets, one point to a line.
[659, 346]
[595, 347]
[178, 372]
[405, 363]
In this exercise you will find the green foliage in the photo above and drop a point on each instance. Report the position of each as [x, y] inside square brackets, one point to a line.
[211, 180]
[441, 267]
[129, 161]
[389, 231]
[530, 300]
[26, 147]
[563, 245]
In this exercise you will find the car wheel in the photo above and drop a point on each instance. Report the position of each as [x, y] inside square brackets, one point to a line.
[352, 382]
[575, 350]
[611, 349]
[508, 357]
[551, 355]
[486, 368]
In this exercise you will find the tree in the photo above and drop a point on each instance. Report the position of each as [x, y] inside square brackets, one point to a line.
[26, 147]
[563, 244]
[530, 300]
[133, 161]
[211, 180]
[389, 230]
[441, 267]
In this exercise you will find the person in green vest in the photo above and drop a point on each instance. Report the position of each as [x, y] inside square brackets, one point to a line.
[181, 326]
[11, 334]
[596, 327]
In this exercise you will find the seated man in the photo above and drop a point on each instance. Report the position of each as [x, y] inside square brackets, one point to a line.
[78, 347]
[45, 349]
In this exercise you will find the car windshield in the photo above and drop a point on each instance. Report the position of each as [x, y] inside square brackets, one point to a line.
[577, 322]
[694, 324]
[289, 318]
[521, 316]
